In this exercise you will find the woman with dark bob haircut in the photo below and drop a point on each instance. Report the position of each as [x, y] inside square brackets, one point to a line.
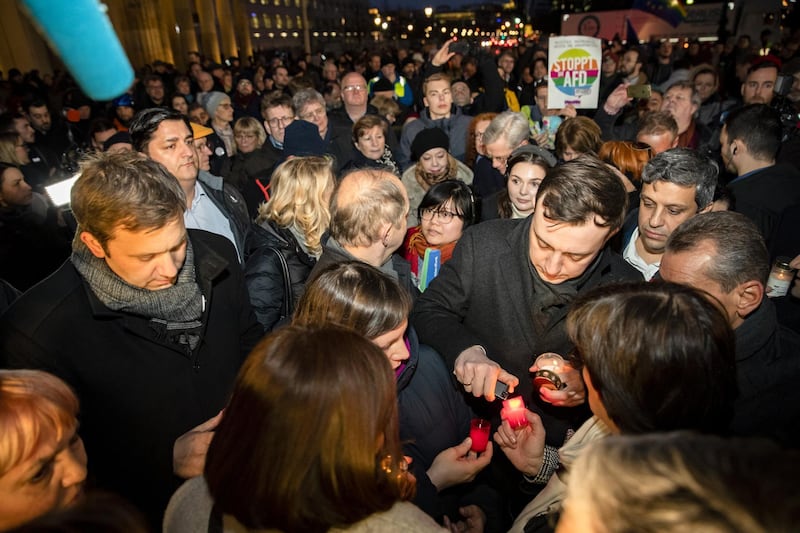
[434, 418]
[308, 442]
[647, 368]
[446, 210]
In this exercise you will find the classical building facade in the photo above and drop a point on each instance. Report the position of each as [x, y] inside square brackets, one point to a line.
[169, 29]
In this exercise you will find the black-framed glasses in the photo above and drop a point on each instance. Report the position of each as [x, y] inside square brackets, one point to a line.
[445, 217]
[280, 121]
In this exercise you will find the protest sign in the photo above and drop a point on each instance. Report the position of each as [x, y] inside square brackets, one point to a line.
[574, 72]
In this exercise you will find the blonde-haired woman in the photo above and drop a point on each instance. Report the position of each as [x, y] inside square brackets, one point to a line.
[287, 236]
[42, 460]
[14, 153]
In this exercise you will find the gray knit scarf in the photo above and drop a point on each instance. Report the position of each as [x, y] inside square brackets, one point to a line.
[174, 312]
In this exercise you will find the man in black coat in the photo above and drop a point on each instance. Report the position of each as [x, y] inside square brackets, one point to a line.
[723, 254]
[147, 322]
[750, 139]
[368, 224]
[503, 297]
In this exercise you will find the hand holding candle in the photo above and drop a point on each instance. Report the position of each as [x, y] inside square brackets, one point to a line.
[548, 369]
[567, 391]
[513, 412]
[523, 446]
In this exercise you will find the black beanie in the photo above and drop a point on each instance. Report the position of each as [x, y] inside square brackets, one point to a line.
[428, 139]
[382, 85]
[302, 138]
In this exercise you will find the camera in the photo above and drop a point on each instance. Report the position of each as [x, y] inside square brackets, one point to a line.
[781, 103]
[783, 85]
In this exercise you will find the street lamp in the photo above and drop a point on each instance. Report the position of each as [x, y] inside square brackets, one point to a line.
[428, 11]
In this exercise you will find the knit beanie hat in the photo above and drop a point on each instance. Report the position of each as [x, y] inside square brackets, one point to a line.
[428, 139]
[121, 137]
[382, 85]
[301, 139]
[213, 99]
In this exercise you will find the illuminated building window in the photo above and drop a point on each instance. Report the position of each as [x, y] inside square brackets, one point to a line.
[299, 22]
[278, 22]
[254, 21]
[289, 23]
[296, 3]
[267, 20]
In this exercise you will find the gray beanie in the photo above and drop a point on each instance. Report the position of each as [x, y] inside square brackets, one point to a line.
[212, 101]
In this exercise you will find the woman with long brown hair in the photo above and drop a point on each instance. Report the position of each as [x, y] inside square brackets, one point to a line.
[308, 443]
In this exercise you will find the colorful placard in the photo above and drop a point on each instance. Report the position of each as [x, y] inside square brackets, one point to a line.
[574, 72]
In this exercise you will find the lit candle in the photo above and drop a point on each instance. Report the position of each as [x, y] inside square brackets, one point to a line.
[479, 433]
[513, 412]
[548, 367]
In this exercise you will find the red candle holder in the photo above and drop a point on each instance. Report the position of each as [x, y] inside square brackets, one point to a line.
[513, 412]
[479, 433]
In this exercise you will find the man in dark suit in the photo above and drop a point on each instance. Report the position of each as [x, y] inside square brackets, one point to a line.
[750, 139]
[503, 297]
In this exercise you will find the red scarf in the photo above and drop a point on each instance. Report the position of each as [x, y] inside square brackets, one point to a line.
[415, 246]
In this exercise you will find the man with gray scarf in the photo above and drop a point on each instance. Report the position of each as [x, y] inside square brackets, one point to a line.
[148, 322]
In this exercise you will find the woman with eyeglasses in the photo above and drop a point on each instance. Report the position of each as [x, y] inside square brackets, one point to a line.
[445, 211]
[527, 167]
[433, 165]
[220, 111]
[250, 162]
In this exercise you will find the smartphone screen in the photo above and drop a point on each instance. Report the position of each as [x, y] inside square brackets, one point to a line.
[59, 192]
[639, 91]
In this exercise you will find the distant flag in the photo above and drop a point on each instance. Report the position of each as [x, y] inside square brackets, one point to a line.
[671, 11]
[630, 33]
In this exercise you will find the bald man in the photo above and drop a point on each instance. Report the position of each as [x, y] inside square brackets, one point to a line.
[368, 223]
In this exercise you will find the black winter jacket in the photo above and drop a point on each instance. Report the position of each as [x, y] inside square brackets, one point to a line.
[138, 392]
[264, 274]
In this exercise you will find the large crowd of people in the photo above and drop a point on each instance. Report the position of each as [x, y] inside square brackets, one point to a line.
[284, 293]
